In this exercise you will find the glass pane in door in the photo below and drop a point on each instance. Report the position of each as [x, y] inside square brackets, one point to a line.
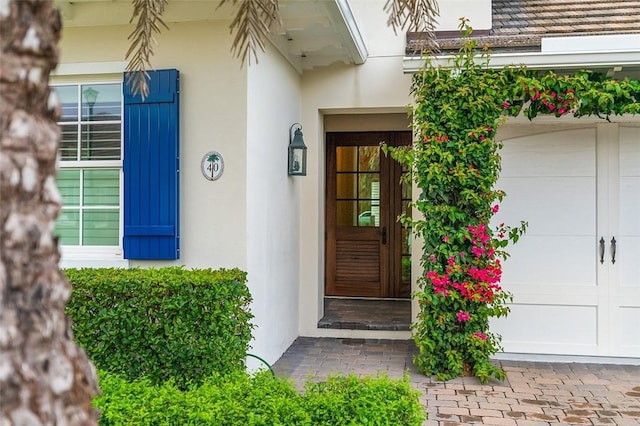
[358, 186]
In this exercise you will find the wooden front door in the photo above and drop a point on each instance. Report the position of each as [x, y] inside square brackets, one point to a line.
[367, 249]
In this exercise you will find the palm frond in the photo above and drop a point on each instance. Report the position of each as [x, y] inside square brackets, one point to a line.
[149, 13]
[251, 26]
[415, 16]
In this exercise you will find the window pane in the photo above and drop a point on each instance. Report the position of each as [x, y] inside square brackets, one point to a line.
[69, 187]
[346, 212]
[369, 213]
[406, 269]
[406, 189]
[101, 102]
[346, 185]
[369, 158]
[100, 227]
[346, 158]
[101, 188]
[100, 141]
[69, 142]
[369, 186]
[406, 208]
[407, 238]
[68, 227]
[68, 96]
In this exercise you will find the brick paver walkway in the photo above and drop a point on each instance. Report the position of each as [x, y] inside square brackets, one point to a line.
[534, 393]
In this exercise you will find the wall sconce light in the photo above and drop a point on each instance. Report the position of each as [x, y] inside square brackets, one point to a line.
[297, 152]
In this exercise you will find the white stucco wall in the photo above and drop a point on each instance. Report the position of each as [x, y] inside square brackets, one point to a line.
[273, 105]
[213, 117]
[376, 87]
[249, 217]
[478, 12]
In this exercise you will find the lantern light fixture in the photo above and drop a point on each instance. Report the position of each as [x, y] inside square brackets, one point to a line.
[297, 165]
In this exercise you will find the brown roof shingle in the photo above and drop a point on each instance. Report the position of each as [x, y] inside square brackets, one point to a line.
[520, 24]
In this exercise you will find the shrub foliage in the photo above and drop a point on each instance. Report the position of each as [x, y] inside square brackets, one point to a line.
[162, 323]
[243, 400]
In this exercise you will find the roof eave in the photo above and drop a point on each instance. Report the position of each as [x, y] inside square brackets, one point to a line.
[538, 60]
[341, 13]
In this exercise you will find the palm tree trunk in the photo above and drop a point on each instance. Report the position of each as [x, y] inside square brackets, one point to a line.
[45, 379]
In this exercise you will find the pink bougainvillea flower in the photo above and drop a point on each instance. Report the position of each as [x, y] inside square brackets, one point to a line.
[495, 209]
[552, 107]
[445, 239]
[477, 251]
[480, 336]
[506, 104]
[440, 283]
[562, 110]
[463, 316]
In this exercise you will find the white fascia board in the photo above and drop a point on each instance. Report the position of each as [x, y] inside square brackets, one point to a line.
[594, 43]
[341, 13]
[538, 60]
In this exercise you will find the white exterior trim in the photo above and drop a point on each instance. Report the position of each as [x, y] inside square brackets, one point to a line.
[591, 43]
[92, 257]
[539, 60]
[505, 356]
[86, 68]
[358, 50]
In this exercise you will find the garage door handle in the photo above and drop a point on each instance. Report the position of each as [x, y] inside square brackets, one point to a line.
[384, 235]
[601, 250]
[613, 250]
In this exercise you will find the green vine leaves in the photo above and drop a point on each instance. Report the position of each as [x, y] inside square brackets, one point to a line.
[455, 164]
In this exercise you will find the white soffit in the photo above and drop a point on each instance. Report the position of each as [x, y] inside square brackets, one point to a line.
[319, 33]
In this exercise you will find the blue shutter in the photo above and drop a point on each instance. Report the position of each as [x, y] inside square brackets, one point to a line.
[151, 167]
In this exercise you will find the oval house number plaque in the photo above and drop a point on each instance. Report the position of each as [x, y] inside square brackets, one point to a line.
[212, 165]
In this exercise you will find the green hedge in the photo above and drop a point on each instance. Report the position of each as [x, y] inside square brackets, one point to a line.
[350, 400]
[260, 400]
[162, 323]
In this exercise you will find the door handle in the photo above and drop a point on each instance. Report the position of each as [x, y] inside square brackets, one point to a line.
[384, 235]
[601, 250]
[613, 250]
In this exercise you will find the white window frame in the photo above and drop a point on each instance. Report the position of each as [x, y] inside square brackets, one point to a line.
[94, 256]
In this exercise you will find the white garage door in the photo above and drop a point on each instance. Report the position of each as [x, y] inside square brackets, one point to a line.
[579, 189]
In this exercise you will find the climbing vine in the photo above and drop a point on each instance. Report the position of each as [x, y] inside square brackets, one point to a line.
[455, 164]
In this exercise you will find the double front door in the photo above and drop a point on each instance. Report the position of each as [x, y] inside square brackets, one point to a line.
[367, 248]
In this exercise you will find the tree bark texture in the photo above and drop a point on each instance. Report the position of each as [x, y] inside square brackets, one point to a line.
[45, 379]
